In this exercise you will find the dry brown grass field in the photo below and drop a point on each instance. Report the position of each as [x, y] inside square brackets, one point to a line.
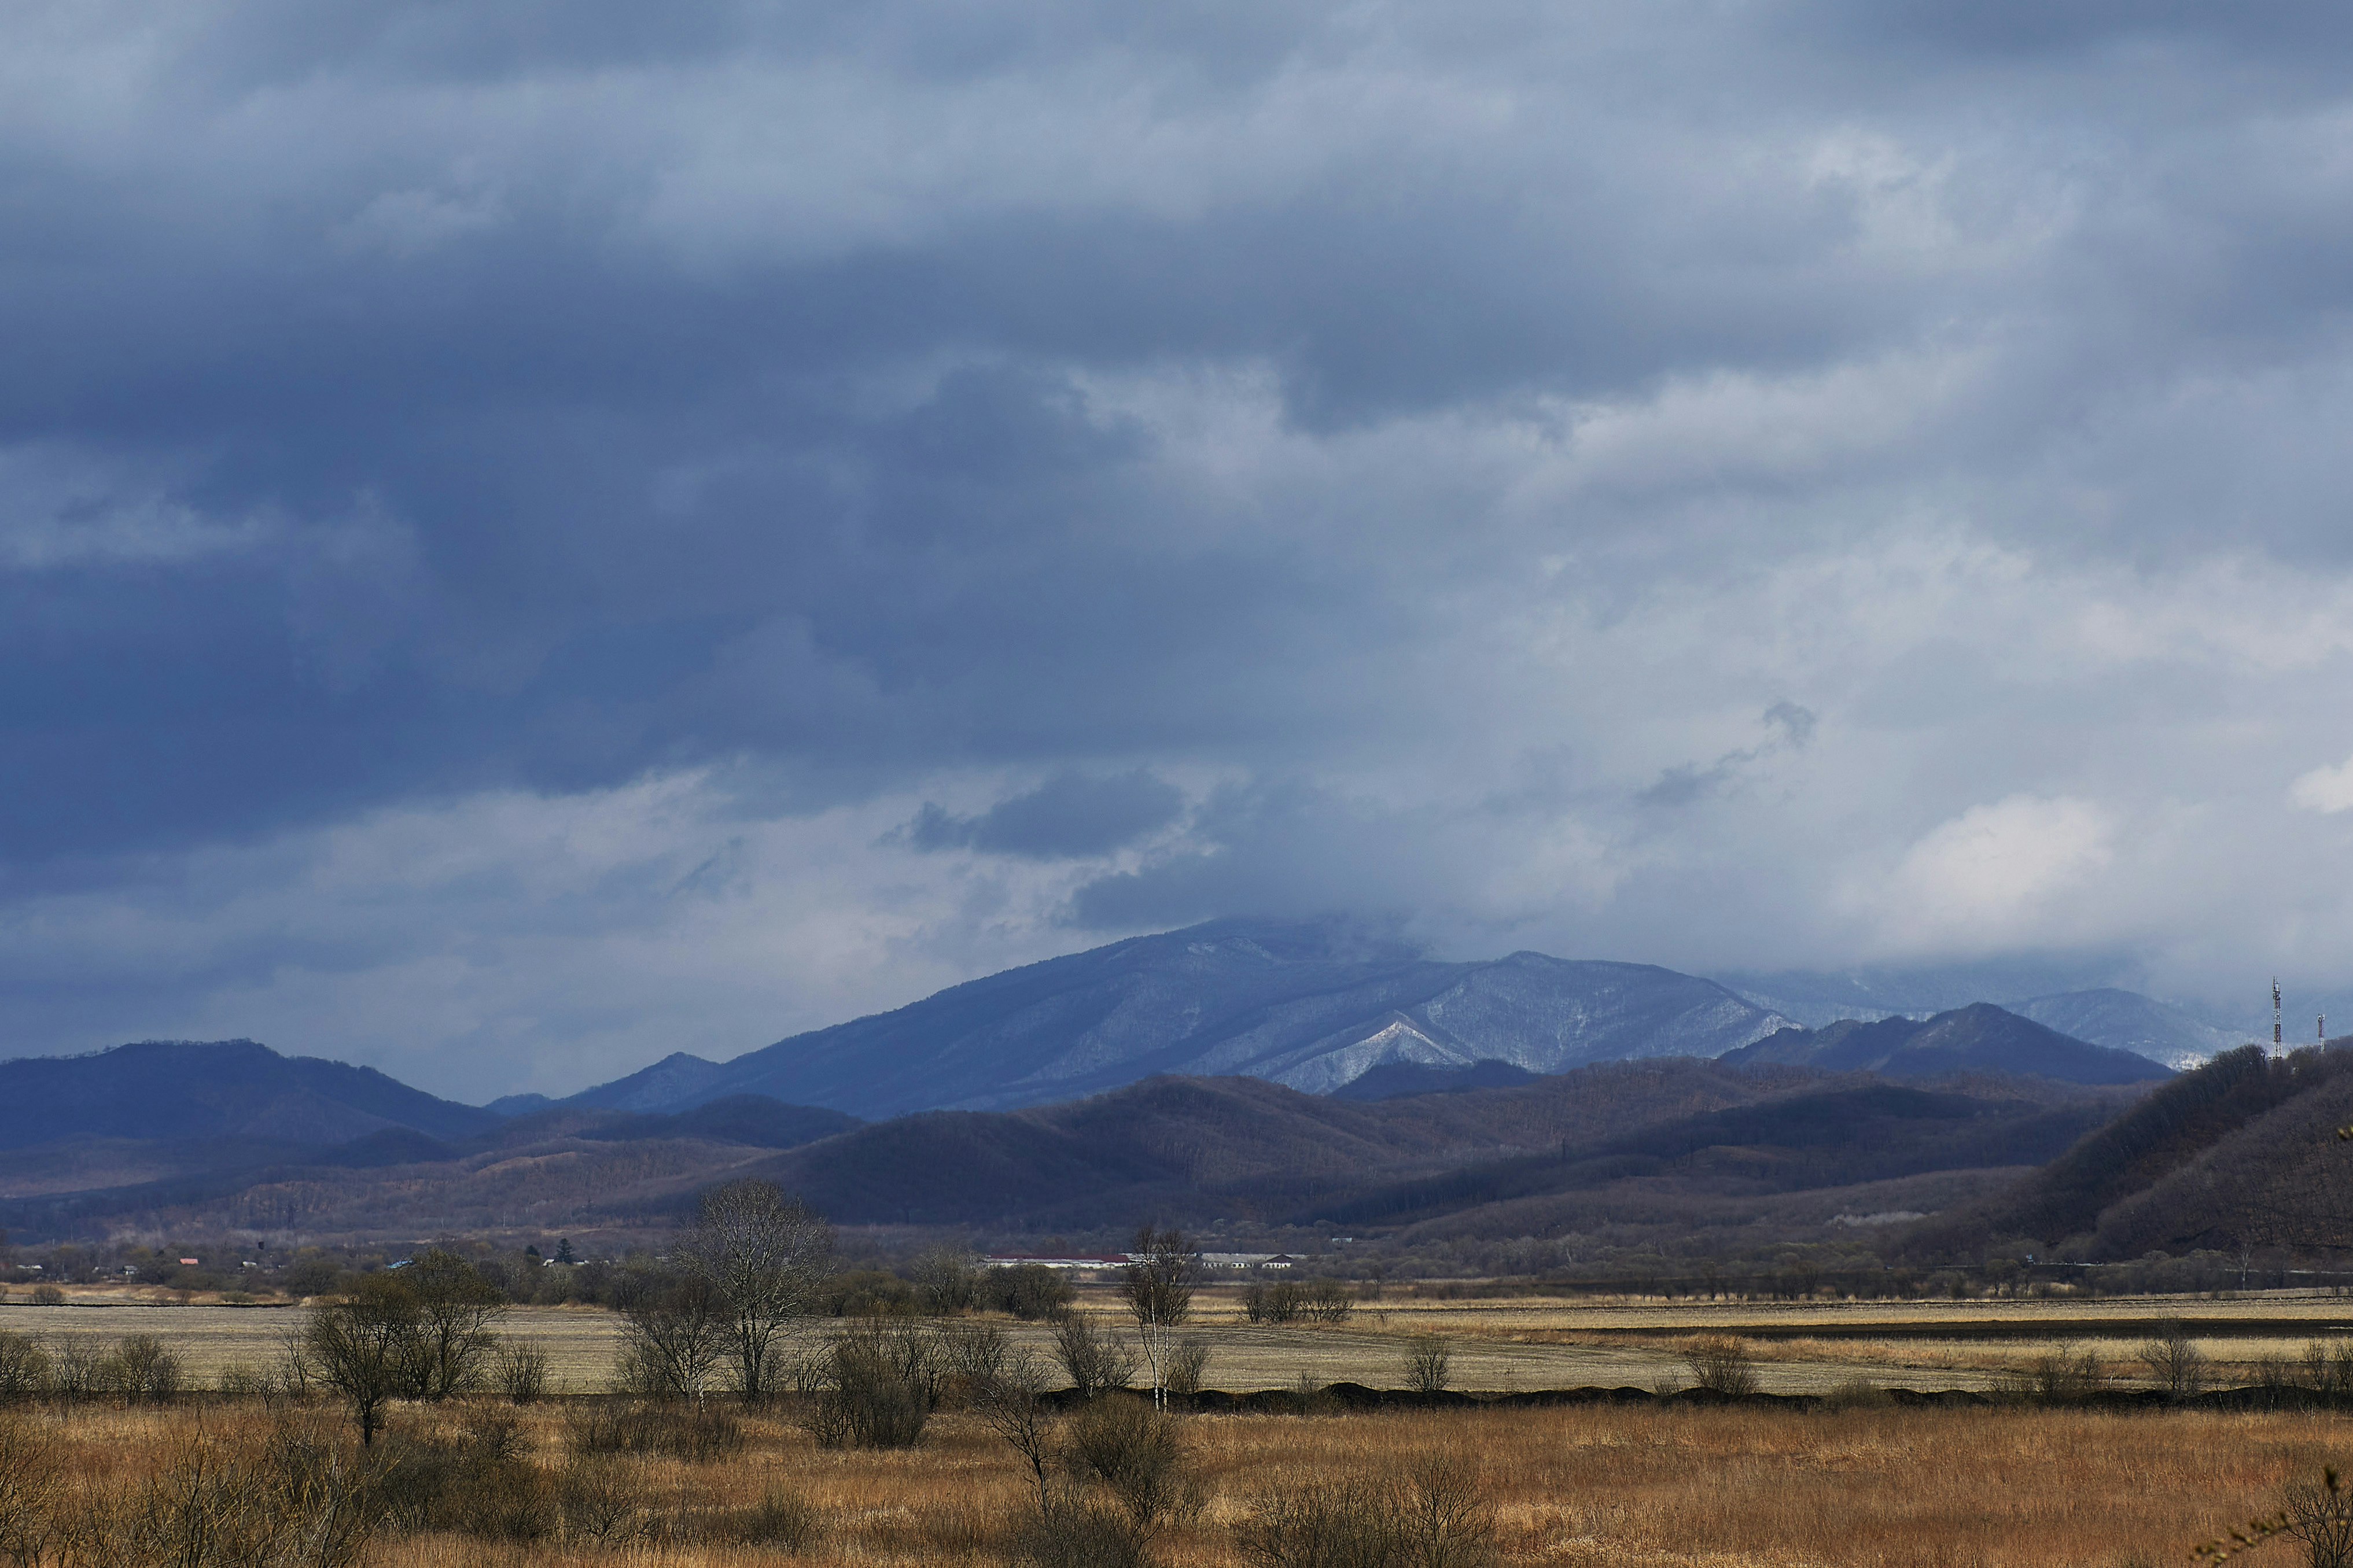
[1645, 1487]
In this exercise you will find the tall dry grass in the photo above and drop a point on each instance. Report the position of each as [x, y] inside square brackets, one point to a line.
[1646, 1487]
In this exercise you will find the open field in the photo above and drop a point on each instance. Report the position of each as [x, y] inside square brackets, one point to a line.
[1642, 1488]
[1512, 1344]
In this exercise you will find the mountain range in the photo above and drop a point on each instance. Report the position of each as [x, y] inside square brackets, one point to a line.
[1978, 1038]
[1237, 1072]
[2081, 1001]
[1315, 1005]
[1645, 1151]
[184, 1089]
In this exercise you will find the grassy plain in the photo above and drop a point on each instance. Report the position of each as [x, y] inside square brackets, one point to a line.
[1630, 1488]
[1503, 1344]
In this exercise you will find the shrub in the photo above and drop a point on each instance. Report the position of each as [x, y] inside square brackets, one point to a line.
[1080, 1533]
[1276, 1303]
[1440, 1516]
[1433, 1515]
[244, 1380]
[1310, 1395]
[477, 1482]
[24, 1367]
[874, 1387]
[1857, 1393]
[288, 1499]
[1136, 1453]
[2328, 1368]
[972, 1355]
[78, 1369]
[1326, 1524]
[142, 1370]
[784, 1520]
[1029, 1292]
[361, 1346]
[1011, 1404]
[1188, 1363]
[1326, 1302]
[1428, 1364]
[696, 1433]
[2061, 1376]
[603, 1499]
[1721, 1364]
[1095, 1361]
[946, 1281]
[2320, 1515]
[2175, 1360]
[673, 1335]
[48, 1296]
[866, 1293]
[32, 1483]
[450, 1341]
[520, 1369]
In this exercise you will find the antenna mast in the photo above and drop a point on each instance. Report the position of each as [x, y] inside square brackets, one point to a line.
[2275, 1015]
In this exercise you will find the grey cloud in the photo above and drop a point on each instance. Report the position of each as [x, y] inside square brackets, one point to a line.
[1429, 420]
[1068, 817]
[1685, 784]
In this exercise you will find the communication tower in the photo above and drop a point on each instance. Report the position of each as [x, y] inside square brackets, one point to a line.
[2275, 1015]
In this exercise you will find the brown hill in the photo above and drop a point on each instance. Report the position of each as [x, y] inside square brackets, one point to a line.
[1187, 1147]
[1659, 1148]
[2239, 1150]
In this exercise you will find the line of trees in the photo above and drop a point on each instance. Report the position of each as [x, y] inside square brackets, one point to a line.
[425, 1332]
[749, 1267]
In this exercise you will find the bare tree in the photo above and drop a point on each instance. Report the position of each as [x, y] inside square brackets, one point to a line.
[1096, 1363]
[1159, 1284]
[2175, 1360]
[674, 1334]
[762, 1253]
[457, 1309]
[360, 1345]
[1428, 1364]
[1012, 1402]
[948, 1278]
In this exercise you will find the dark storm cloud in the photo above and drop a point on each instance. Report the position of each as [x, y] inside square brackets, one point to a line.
[1365, 458]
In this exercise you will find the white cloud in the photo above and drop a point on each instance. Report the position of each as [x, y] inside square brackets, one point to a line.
[2325, 790]
[1994, 861]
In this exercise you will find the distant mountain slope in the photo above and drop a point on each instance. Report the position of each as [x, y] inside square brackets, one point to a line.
[184, 1089]
[1979, 1038]
[674, 1083]
[1228, 1147]
[2241, 1150]
[1841, 1135]
[1394, 1080]
[1238, 1146]
[751, 1121]
[1814, 998]
[559, 1167]
[1202, 1150]
[1314, 1005]
[2078, 1000]
[2131, 1021]
[1647, 1152]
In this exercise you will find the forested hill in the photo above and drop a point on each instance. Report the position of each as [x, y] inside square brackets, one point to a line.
[2241, 1150]
[1979, 1038]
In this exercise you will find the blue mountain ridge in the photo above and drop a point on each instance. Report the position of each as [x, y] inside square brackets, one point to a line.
[1313, 1005]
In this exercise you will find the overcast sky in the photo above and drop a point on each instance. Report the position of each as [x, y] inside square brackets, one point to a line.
[534, 536]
